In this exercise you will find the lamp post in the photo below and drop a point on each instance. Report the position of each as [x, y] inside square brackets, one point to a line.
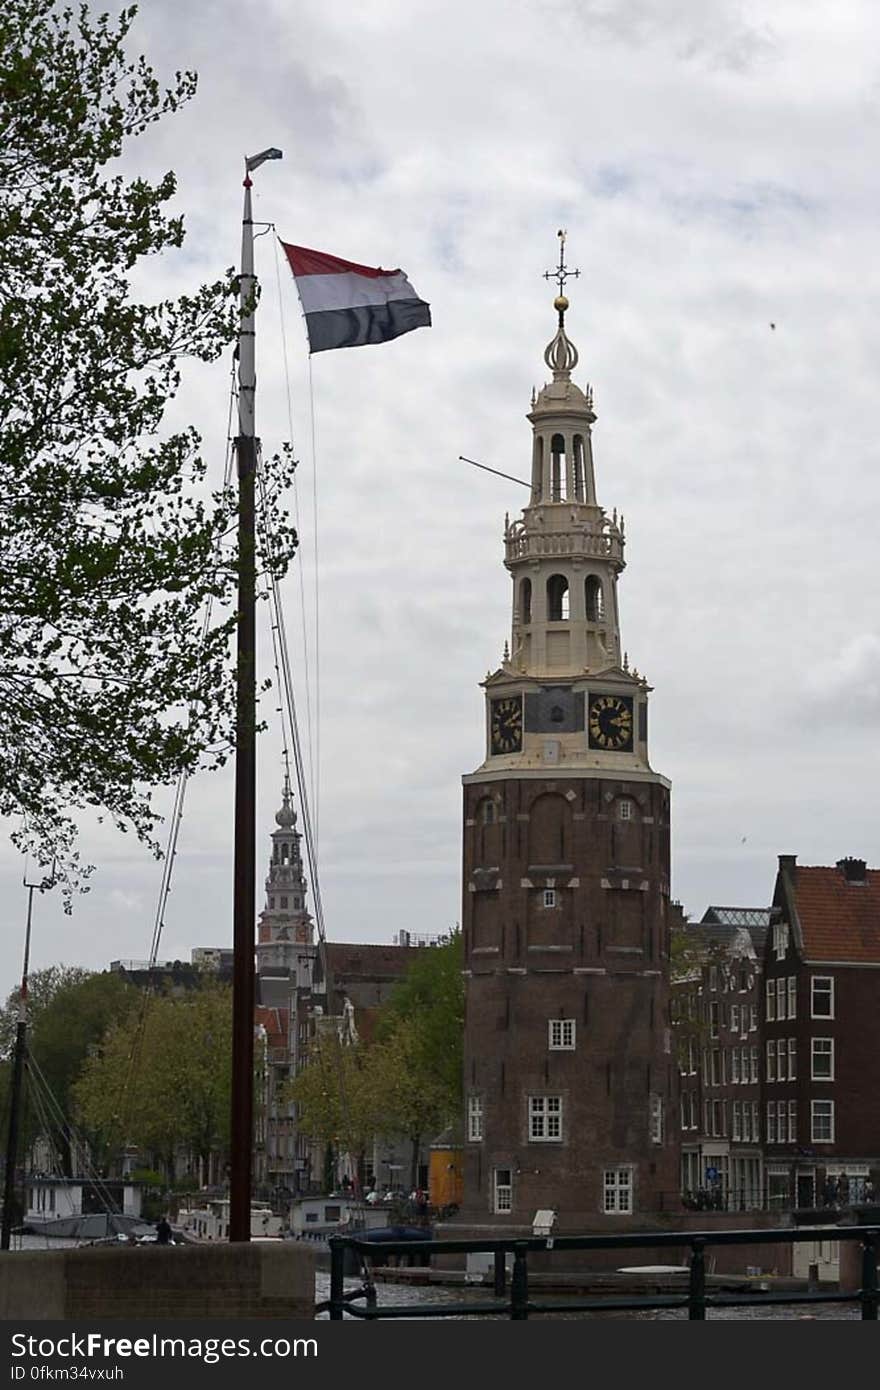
[245, 862]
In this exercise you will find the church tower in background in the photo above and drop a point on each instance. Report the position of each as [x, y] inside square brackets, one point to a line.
[285, 925]
[568, 1064]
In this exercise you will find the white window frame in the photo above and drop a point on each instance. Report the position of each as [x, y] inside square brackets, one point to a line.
[713, 978]
[781, 1122]
[756, 1122]
[780, 940]
[753, 1064]
[475, 1119]
[827, 1112]
[826, 1052]
[753, 1018]
[545, 1119]
[792, 1122]
[771, 1060]
[617, 1191]
[771, 1001]
[825, 979]
[734, 1067]
[655, 1118]
[781, 998]
[502, 1192]
[625, 809]
[737, 1134]
[792, 996]
[734, 1017]
[781, 1059]
[771, 1122]
[792, 1059]
[549, 899]
[561, 1034]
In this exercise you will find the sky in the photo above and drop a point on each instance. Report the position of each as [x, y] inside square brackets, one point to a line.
[715, 168]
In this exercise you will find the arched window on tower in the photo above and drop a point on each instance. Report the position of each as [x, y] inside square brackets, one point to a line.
[285, 854]
[557, 598]
[557, 468]
[578, 443]
[525, 601]
[594, 599]
[538, 468]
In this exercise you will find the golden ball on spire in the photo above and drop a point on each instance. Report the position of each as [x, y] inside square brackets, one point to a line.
[560, 303]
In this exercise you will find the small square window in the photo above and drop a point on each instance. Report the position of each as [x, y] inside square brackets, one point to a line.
[549, 897]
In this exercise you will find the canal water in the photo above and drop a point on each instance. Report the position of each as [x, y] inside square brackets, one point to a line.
[418, 1296]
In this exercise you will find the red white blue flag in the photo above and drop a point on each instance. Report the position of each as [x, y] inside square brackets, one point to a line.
[346, 304]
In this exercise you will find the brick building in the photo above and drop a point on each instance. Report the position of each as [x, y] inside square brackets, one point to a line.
[569, 1081]
[717, 1011]
[821, 1061]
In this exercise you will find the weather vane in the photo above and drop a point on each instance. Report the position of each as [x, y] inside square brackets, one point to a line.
[560, 275]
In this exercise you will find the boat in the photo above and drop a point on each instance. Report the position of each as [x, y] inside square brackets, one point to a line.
[211, 1222]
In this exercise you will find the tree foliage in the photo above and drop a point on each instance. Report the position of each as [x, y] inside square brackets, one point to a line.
[69, 1011]
[161, 1078]
[429, 1001]
[108, 535]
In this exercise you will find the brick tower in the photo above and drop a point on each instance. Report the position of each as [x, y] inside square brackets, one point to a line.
[568, 1065]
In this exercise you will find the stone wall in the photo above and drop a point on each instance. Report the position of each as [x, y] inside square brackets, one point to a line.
[258, 1280]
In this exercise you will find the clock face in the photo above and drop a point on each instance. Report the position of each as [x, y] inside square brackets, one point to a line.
[610, 723]
[506, 725]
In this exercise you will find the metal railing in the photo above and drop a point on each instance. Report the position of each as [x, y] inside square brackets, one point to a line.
[518, 1304]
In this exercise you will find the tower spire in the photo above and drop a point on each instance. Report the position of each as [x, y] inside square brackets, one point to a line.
[561, 355]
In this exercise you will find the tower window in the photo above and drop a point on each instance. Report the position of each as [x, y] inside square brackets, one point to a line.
[503, 1190]
[594, 599]
[579, 467]
[561, 1034]
[545, 1119]
[475, 1119]
[297, 903]
[557, 468]
[525, 601]
[625, 809]
[271, 904]
[617, 1190]
[549, 897]
[284, 902]
[488, 812]
[557, 598]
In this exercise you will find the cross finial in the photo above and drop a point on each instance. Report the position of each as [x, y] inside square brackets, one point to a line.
[560, 275]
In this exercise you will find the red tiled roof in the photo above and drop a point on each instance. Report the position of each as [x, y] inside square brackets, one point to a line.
[839, 920]
[275, 1022]
[353, 958]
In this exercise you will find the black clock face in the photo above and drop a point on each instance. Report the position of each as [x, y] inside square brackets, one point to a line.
[610, 723]
[506, 725]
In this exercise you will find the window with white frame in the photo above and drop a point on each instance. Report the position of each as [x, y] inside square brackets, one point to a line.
[684, 1109]
[624, 809]
[756, 1123]
[792, 1059]
[713, 1019]
[792, 1122]
[502, 1190]
[771, 1060]
[617, 1191]
[746, 1122]
[792, 996]
[781, 1134]
[475, 1119]
[771, 1001]
[694, 1117]
[734, 1066]
[545, 1119]
[780, 998]
[822, 1059]
[561, 1035]
[753, 1064]
[780, 939]
[822, 1121]
[781, 1055]
[549, 897]
[753, 1018]
[734, 1017]
[655, 1118]
[692, 1057]
[771, 1122]
[822, 996]
[737, 1121]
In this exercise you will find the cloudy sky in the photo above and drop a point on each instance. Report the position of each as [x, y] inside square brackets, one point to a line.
[715, 166]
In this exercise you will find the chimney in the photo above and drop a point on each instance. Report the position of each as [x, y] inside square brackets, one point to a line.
[853, 870]
[787, 862]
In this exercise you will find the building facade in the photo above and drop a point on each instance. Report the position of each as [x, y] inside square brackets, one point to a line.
[821, 1060]
[569, 1075]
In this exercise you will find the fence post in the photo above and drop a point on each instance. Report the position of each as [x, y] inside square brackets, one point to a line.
[337, 1277]
[697, 1289]
[500, 1273]
[519, 1284]
[870, 1294]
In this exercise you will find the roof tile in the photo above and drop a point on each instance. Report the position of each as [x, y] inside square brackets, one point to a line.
[839, 920]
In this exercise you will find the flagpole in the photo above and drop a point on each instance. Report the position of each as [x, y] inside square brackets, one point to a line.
[245, 864]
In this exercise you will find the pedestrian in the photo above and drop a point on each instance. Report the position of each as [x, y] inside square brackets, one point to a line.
[163, 1231]
[869, 1192]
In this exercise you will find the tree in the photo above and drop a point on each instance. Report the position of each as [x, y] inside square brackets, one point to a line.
[161, 1078]
[430, 1001]
[404, 1096]
[69, 1012]
[335, 1105]
[109, 540]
